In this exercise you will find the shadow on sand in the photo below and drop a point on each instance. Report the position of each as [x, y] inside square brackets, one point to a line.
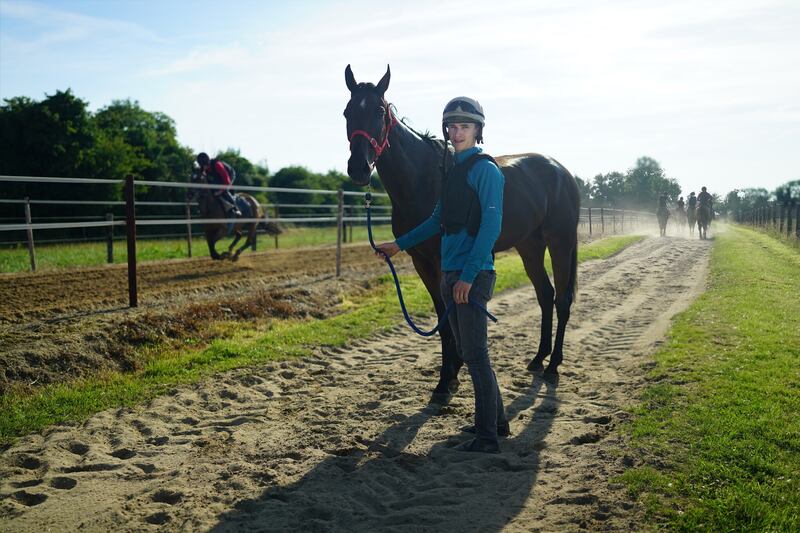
[385, 488]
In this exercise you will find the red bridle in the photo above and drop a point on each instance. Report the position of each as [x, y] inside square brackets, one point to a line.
[391, 121]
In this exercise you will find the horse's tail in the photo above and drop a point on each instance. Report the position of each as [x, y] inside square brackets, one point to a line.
[270, 228]
[573, 274]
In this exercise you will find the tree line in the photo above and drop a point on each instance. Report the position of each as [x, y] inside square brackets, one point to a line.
[59, 136]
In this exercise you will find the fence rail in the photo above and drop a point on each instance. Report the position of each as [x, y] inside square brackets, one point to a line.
[593, 220]
[782, 217]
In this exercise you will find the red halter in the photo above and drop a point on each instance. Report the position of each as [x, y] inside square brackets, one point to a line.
[378, 147]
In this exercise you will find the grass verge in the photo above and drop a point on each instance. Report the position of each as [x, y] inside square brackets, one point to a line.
[719, 427]
[246, 344]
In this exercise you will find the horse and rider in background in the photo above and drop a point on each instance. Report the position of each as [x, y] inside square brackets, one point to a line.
[226, 207]
[705, 212]
[662, 214]
[680, 214]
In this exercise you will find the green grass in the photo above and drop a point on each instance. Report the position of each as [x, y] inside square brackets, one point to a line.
[58, 256]
[246, 344]
[719, 428]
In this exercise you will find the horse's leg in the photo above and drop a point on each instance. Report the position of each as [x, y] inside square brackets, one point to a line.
[565, 270]
[532, 254]
[211, 248]
[451, 362]
[237, 236]
[251, 237]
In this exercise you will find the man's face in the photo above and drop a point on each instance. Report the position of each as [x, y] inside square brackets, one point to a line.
[462, 135]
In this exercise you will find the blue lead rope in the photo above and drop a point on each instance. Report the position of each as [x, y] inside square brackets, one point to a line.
[368, 202]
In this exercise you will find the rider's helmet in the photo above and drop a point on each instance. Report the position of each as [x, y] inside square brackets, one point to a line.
[203, 159]
[463, 109]
[691, 193]
[681, 198]
[703, 189]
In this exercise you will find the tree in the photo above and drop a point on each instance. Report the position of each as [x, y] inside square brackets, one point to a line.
[646, 181]
[585, 190]
[607, 189]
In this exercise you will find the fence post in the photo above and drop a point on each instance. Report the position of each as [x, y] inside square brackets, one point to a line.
[277, 215]
[602, 221]
[189, 228]
[29, 231]
[110, 239]
[789, 221]
[590, 222]
[130, 228]
[339, 222]
[622, 223]
[781, 227]
[614, 218]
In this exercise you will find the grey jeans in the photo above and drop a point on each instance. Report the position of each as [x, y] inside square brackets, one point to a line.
[469, 325]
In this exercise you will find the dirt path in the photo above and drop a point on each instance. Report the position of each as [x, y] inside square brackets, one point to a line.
[344, 440]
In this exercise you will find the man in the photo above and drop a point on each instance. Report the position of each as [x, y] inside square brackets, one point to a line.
[705, 198]
[681, 204]
[468, 215]
[692, 200]
[221, 173]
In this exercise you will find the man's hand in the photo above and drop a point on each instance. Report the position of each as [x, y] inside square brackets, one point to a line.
[388, 248]
[461, 292]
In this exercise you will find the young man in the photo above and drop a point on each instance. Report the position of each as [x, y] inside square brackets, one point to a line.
[468, 215]
[221, 173]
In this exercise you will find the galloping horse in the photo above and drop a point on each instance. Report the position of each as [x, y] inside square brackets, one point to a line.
[211, 207]
[703, 220]
[540, 210]
[691, 218]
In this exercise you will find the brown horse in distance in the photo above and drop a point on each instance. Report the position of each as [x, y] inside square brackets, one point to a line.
[211, 208]
[540, 211]
[703, 220]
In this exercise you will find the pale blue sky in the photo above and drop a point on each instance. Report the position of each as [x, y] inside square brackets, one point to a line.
[708, 88]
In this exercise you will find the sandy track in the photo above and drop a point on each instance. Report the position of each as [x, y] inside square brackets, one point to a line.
[64, 292]
[344, 440]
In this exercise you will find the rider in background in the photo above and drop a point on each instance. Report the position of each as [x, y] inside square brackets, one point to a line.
[692, 200]
[681, 204]
[705, 198]
[220, 173]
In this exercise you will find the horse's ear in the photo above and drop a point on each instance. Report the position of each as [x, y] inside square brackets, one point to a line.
[384, 83]
[350, 79]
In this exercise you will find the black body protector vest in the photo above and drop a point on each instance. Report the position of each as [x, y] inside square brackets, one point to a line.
[460, 206]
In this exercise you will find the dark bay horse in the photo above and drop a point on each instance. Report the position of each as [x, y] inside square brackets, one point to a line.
[703, 220]
[211, 207]
[691, 218]
[663, 215]
[540, 211]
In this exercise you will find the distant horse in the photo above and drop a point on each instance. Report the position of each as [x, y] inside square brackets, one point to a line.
[211, 207]
[540, 210]
[680, 219]
[691, 218]
[663, 215]
[703, 220]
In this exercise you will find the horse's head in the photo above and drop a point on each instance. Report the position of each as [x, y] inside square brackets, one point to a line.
[369, 121]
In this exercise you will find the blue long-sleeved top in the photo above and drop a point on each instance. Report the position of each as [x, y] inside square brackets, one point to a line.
[460, 251]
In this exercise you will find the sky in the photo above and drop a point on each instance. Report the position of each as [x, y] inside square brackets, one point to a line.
[709, 89]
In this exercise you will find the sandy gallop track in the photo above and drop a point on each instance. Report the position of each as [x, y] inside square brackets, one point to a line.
[54, 293]
[344, 440]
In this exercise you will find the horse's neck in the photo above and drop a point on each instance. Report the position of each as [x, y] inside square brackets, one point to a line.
[408, 168]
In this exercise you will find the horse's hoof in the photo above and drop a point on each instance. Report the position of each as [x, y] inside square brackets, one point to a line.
[551, 375]
[535, 366]
[441, 398]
